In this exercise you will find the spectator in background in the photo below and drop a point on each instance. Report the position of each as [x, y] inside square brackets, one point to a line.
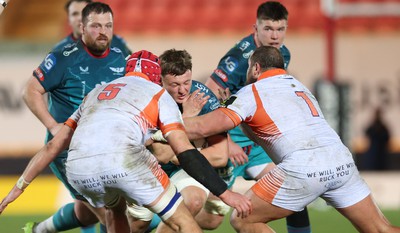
[375, 158]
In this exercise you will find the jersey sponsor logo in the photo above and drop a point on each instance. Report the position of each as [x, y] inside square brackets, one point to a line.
[201, 87]
[39, 74]
[231, 64]
[67, 53]
[244, 45]
[221, 75]
[49, 62]
[117, 70]
[248, 54]
[84, 70]
[115, 49]
[214, 103]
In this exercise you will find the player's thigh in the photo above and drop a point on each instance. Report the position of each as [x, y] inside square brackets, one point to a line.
[374, 221]
[182, 219]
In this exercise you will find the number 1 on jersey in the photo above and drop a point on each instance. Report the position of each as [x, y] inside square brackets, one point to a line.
[313, 109]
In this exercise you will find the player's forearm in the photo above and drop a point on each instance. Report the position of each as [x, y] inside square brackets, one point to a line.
[210, 83]
[47, 154]
[197, 166]
[162, 151]
[217, 151]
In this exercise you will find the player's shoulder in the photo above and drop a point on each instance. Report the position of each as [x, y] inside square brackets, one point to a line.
[119, 45]
[118, 38]
[244, 48]
[60, 57]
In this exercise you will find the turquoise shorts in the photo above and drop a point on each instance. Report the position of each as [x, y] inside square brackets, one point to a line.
[58, 168]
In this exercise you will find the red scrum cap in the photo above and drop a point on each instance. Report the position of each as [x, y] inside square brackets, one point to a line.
[147, 63]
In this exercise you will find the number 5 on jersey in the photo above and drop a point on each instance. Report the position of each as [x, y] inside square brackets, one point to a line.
[110, 91]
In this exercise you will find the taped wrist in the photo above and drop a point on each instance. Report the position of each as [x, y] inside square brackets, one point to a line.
[198, 167]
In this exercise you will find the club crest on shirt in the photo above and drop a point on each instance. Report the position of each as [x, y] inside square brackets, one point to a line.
[117, 70]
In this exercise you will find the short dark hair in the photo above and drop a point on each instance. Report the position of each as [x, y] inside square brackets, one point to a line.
[69, 2]
[267, 57]
[272, 10]
[175, 62]
[96, 7]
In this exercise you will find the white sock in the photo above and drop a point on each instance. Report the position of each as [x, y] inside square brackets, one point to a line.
[46, 226]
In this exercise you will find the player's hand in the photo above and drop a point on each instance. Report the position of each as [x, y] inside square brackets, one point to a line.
[193, 104]
[236, 154]
[12, 195]
[224, 94]
[175, 161]
[239, 202]
[158, 137]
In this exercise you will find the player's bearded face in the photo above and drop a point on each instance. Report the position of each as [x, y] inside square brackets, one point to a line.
[97, 33]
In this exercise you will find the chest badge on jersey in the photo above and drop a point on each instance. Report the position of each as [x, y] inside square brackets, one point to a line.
[117, 70]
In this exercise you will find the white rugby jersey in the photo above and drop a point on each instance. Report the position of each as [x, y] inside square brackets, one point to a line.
[282, 114]
[119, 115]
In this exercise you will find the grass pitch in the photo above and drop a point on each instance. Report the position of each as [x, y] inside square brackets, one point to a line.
[325, 221]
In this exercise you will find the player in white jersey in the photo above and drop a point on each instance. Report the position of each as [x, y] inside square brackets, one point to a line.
[108, 162]
[282, 116]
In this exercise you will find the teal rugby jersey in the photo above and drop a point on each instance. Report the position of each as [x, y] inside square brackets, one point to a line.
[232, 70]
[68, 75]
[116, 41]
[211, 105]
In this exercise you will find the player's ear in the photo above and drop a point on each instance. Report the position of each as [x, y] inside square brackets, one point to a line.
[81, 27]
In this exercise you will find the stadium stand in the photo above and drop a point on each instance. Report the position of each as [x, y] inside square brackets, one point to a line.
[186, 17]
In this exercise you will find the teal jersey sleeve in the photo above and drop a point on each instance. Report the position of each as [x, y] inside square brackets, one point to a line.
[212, 102]
[232, 68]
[120, 43]
[68, 75]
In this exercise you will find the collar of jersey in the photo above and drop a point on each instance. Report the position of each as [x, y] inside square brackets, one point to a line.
[138, 74]
[270, 73]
